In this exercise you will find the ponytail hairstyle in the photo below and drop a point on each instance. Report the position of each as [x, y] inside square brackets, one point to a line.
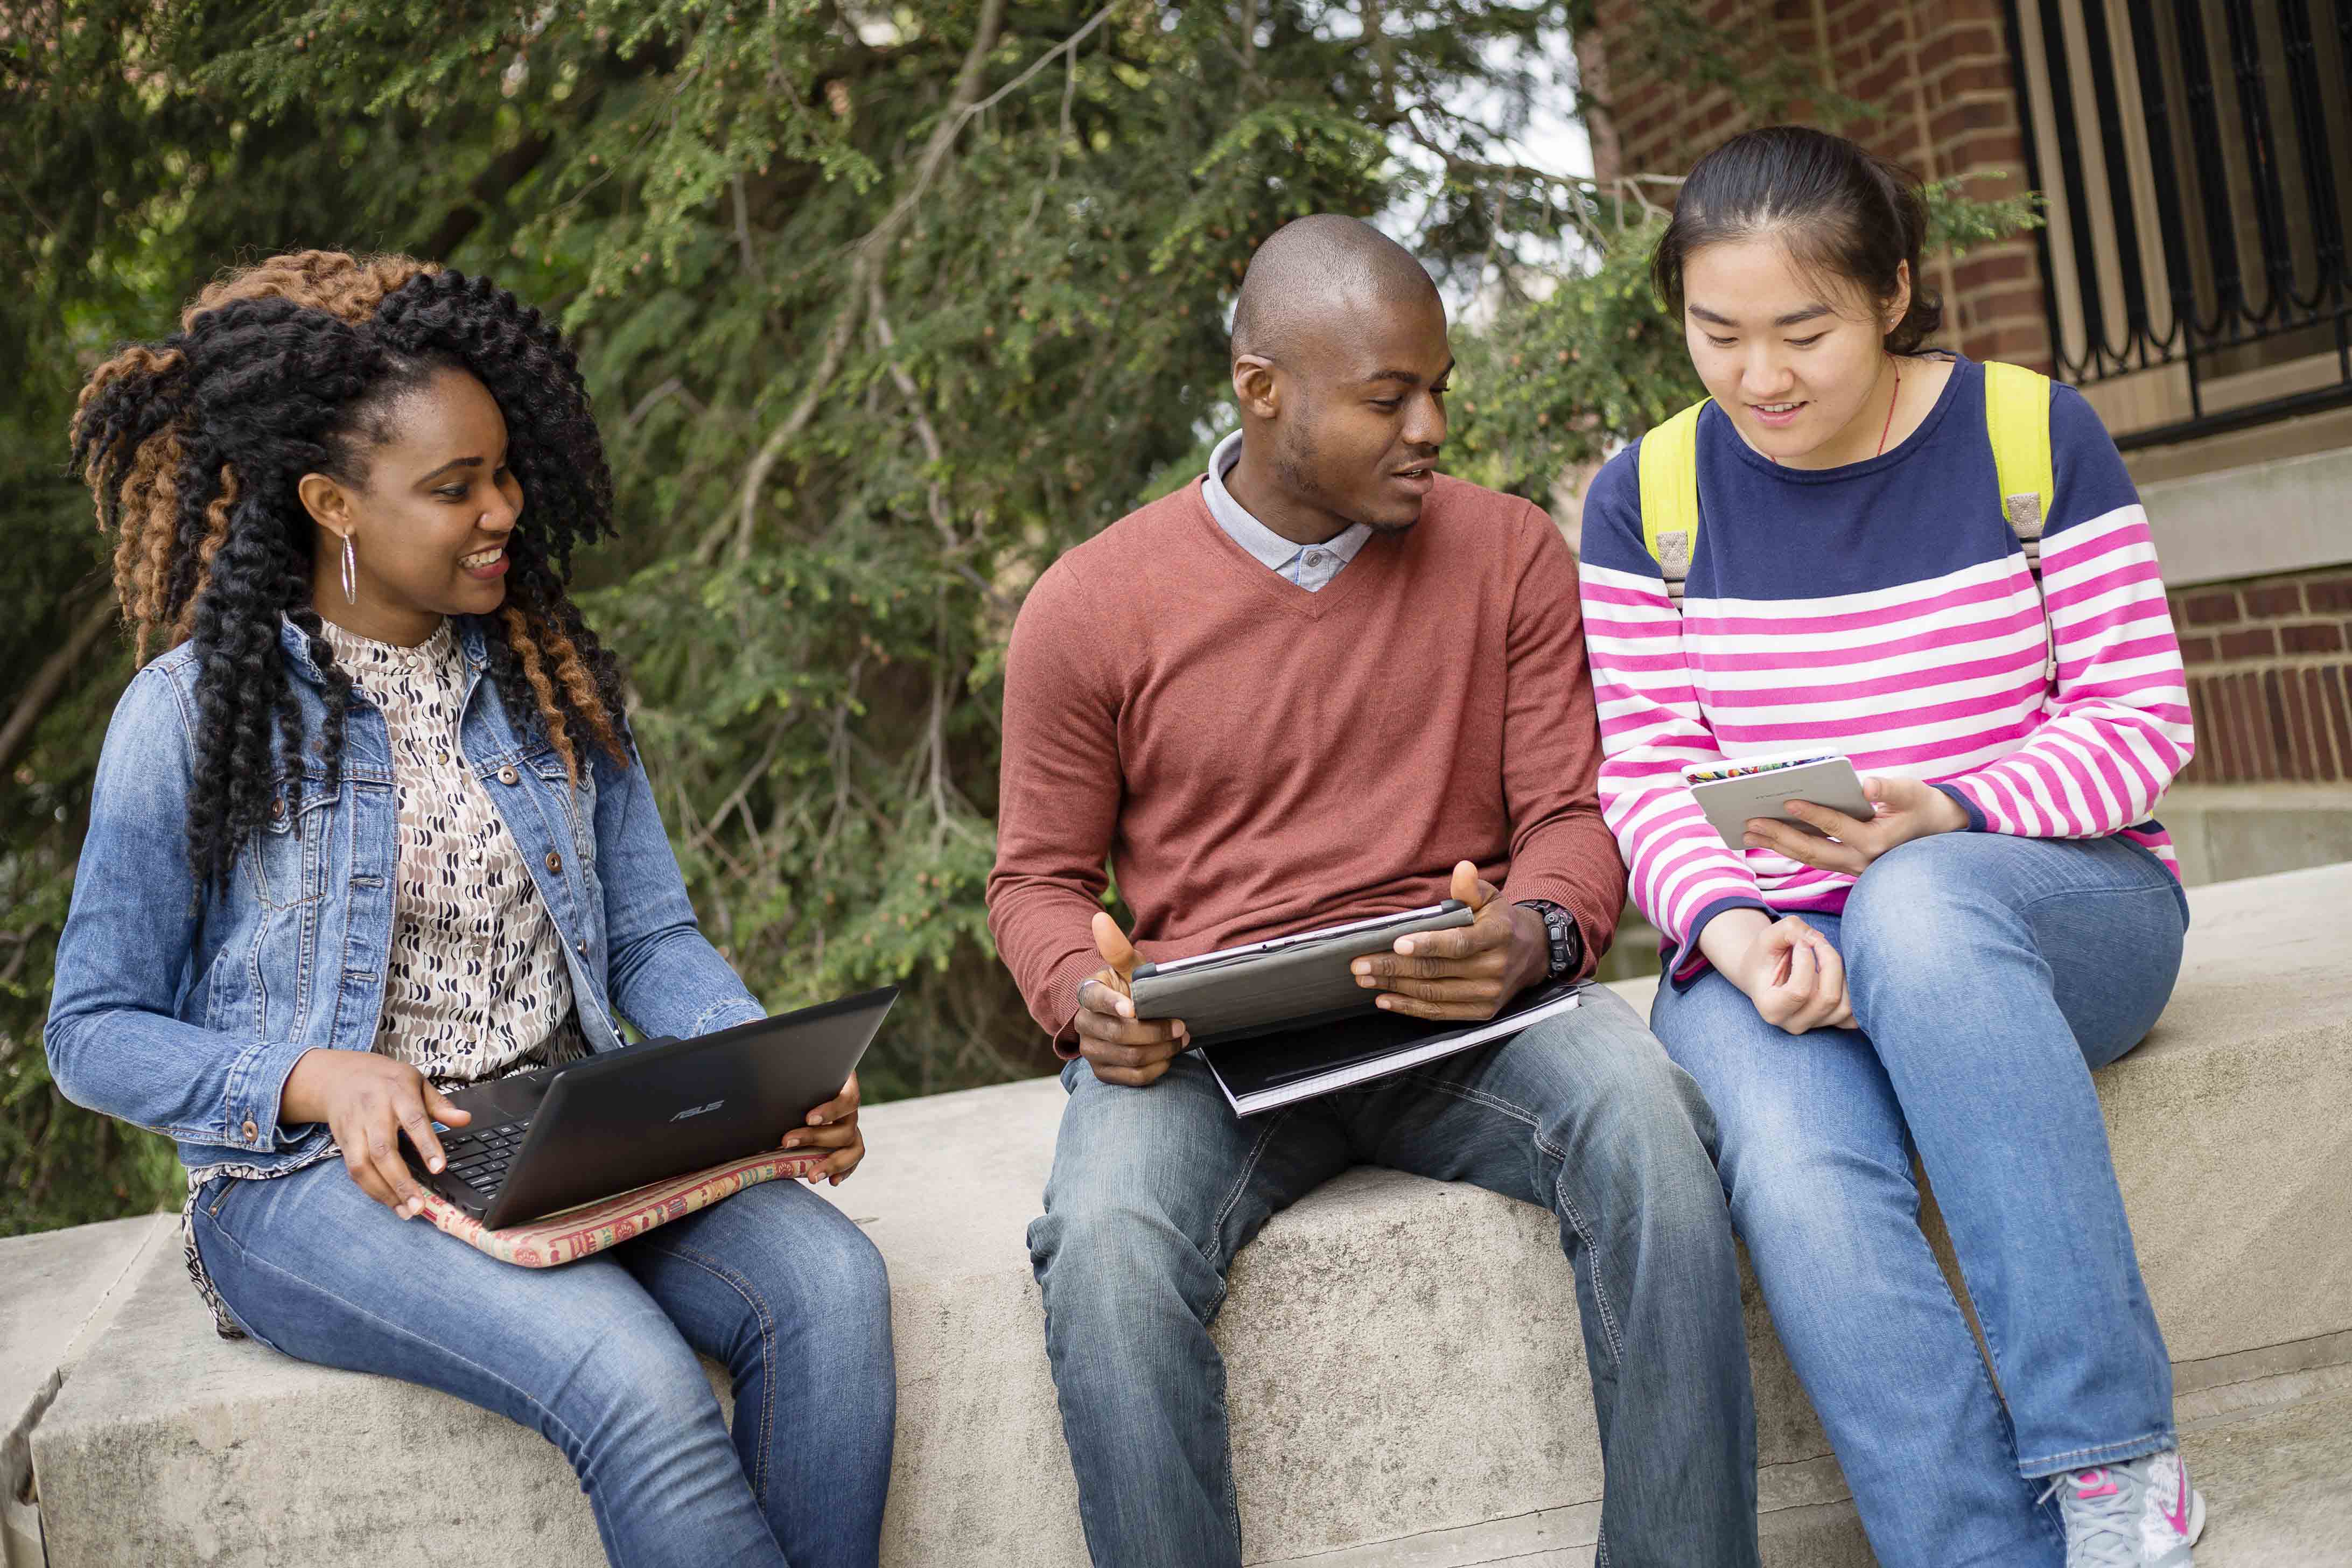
[192, 447]
[1837, 208]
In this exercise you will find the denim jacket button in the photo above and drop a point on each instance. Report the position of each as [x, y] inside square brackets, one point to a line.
[278, 808]
[508, 776]
[554, 863]
[582, 945]
[250, 1130]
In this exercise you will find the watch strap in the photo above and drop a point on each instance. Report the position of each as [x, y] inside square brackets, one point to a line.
[1565, 942]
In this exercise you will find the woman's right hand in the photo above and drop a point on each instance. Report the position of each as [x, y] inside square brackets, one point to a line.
[368, 1101]
[1786, 967]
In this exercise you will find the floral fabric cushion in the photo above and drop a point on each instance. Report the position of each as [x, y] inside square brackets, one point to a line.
[590, 1228]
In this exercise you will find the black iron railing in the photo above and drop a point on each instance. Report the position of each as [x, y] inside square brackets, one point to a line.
[2198, 165]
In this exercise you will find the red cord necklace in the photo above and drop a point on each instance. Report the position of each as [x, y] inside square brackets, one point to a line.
[1883, 429]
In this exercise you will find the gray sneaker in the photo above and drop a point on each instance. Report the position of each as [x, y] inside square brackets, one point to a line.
[2141, 1514]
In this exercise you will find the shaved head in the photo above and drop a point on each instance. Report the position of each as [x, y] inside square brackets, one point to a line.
[1340, 366]
[1316, 270]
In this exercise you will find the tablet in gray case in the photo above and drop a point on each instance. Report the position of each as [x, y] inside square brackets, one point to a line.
[1282, 984]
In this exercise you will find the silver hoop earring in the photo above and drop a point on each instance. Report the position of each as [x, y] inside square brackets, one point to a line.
[351, 571]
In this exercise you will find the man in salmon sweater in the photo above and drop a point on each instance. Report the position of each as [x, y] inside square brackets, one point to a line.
[1322, 683]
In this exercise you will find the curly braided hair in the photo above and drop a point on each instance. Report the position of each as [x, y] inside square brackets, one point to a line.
[192, 448]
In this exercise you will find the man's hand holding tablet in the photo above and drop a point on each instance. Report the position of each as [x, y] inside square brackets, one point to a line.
[1121, 1048]
[1468, 973]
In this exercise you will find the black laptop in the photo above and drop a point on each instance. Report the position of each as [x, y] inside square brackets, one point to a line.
[544, 1141]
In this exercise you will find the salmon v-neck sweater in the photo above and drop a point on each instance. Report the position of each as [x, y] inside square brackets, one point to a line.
[1250, 758]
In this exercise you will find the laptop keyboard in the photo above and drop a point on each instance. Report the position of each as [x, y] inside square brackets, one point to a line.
[478, 1159]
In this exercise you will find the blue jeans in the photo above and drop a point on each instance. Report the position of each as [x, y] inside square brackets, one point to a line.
[598, 1356]
[1154, 1190]
[1989, 974]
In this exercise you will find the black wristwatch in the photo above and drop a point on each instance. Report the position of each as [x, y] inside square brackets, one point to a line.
[1566, 942]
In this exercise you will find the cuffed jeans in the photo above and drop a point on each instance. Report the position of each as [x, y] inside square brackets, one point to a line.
[1989, 974]
[598, 1356]
[1154, 1190]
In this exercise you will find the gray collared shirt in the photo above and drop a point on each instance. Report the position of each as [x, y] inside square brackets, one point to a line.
[1309, 565]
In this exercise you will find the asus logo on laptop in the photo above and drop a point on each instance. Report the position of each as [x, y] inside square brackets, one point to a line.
[698, 1110]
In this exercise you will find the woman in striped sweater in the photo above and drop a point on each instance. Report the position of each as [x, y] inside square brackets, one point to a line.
[1942, 979]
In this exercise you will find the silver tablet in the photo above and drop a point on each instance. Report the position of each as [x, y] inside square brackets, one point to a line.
[1732, 792]
[1286, 981]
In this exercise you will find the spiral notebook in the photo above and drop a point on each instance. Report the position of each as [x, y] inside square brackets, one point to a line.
[1270, 1071]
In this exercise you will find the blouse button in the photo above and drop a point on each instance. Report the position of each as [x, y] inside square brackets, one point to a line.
[508, 776]
[442, 758]
[554, 862]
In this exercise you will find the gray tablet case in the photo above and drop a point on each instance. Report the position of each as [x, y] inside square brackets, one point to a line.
[1288, 982]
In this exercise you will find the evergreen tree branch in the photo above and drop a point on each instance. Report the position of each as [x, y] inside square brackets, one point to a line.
[942, 516]
[743, 233]
[755, 477]
[966, 107]
[488, 187]
[863, 274]
[51, 677]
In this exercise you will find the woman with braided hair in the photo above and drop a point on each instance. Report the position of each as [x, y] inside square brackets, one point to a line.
[373, 829]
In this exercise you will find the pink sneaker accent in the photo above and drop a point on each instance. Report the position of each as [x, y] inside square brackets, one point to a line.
[2094, 1483]
[2179, 1515]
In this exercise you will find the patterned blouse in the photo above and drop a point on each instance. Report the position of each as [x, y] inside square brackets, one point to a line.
[476, 985]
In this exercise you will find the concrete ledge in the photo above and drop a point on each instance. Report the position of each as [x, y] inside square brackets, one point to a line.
[62, 1287]
[2281, 515]
[1407, 1382]
[2226, 832]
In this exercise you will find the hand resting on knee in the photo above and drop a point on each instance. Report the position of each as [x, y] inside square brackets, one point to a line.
[1786, 967]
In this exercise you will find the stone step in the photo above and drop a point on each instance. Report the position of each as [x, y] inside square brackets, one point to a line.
[2271, 1455]
[1404, 1356]
[2277, 1479]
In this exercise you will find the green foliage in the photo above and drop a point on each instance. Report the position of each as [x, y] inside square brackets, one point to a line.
[1958, 222]
[883, 309]
[1559, 381]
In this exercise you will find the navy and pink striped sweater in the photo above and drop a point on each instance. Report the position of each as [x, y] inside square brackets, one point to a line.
[1884, 610]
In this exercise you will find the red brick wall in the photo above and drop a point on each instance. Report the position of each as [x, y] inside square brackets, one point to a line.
[1937, 72]
[2270, 683]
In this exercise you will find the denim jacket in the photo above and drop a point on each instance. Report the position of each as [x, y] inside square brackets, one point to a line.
[186, 1018]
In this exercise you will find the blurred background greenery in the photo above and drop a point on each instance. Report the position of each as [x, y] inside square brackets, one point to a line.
[883, 307]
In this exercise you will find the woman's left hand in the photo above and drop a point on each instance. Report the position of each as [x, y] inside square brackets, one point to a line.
[1907, 809]
[833, 1126]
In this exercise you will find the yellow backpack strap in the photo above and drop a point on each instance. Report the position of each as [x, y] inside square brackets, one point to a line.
[1670, 496]
[2017, 417]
